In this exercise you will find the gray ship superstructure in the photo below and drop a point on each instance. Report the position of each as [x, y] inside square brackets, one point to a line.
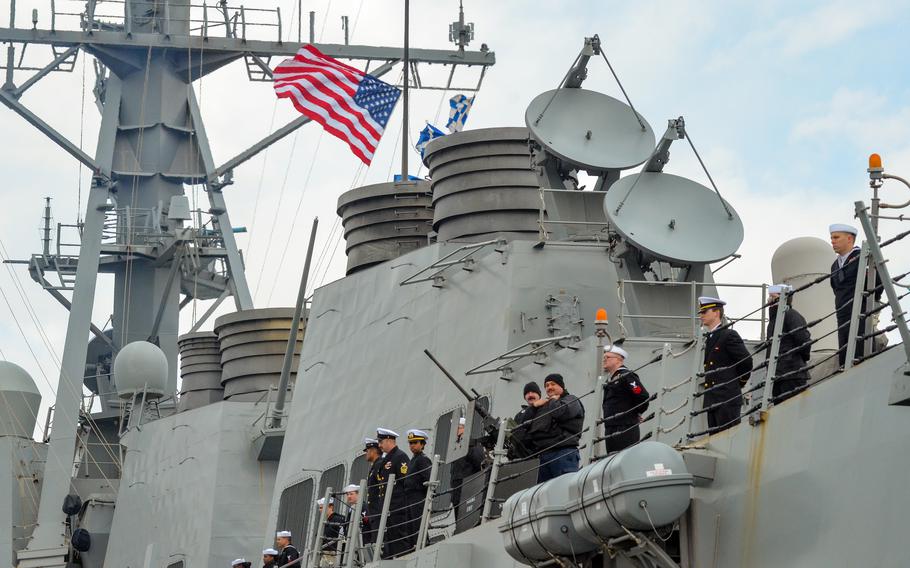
[500, 269]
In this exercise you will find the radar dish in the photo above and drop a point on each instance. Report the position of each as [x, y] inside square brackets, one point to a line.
[673, 218]
[590, 130]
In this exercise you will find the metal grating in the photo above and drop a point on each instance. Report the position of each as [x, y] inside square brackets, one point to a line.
[294, 508]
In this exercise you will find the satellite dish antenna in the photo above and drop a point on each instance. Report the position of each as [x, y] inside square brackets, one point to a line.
[574, 129]
[589, 130]
[692, 223]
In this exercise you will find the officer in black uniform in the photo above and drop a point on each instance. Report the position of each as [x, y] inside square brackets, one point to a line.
[269, 558]
[415, 484]
[625, 400]
[727, 366]
[373, 508]
[844, 272]
[795, 348]
[288, 552]
[394, 462]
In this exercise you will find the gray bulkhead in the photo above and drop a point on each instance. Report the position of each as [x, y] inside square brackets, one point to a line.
[192, 489]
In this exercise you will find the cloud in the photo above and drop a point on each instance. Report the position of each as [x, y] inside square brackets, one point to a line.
[799, 34]
[860, 117]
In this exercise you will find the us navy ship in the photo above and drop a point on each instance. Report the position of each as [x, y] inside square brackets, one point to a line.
[498, 269]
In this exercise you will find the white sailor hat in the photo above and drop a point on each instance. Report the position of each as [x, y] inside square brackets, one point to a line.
[616, 349]
[779, 288]
[385, 433]
[351, 487]
[370, 443]
[843, 228]
[240, 562]
[283, 534]
[708, 302]
[417, 435]
[462, 421]
[270, 552]
[321, 501]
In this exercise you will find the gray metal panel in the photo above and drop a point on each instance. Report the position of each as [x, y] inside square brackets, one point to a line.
[495, 221]
[501, 199]
[192, 488]
[370, 254]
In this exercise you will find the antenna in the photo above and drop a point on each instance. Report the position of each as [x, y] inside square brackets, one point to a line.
[576, 129]
[589, 130]
[691, 225]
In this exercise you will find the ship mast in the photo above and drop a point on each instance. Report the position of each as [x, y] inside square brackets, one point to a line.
[152, 142]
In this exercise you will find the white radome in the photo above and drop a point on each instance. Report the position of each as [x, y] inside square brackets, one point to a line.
[139, 366]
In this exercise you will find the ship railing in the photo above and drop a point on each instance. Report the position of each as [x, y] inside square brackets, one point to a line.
[863, 338]
[350, 549]
[758, 316]
[171, 17]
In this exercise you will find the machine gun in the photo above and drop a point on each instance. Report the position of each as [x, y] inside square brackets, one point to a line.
[489, 427]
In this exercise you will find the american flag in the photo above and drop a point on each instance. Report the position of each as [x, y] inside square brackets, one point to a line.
[347, 102]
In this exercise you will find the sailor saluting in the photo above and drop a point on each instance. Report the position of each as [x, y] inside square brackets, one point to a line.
[727, 366]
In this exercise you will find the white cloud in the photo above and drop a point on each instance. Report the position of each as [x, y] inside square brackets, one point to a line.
[800, 33]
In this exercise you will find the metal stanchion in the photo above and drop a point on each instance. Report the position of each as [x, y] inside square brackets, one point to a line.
[428, 503]
[386, 502]
[320, 530]
[498, 454]
[354, 526]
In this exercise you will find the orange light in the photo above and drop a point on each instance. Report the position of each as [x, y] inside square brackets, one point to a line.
[601, 315]
[875, 161]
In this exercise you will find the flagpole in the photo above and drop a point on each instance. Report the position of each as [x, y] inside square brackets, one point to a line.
[404, 128]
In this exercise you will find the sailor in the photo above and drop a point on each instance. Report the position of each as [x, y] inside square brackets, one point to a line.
[727, 366]
[625, 400]
[556, 430]
[465, 467]
[795, 347]
[332, 531]
[394, 462]
[521, 446]
[373, 504]
[351, 496]
[269, 558]
[416, 484]
[288, 553]
[844, 271]
[241, 563]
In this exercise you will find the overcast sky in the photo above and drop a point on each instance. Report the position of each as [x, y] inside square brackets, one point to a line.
[785, 101]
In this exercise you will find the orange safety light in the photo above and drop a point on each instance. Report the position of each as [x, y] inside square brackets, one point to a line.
[601, 316]
[875, 161]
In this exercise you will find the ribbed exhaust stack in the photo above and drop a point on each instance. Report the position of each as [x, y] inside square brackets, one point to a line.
[200, 370]
[483, 185]
[253, 343]
[384, 221]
